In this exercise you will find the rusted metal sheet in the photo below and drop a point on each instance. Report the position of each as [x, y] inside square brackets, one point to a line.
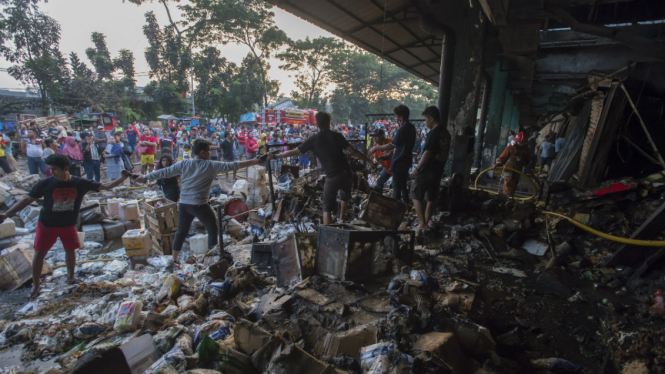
[306, 245]
[350, 252]
[383, 211]
[285, 258]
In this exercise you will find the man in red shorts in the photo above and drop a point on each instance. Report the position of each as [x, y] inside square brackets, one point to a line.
[62, 195]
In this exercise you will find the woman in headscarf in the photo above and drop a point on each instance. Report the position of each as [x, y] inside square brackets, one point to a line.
[75, 155]
[114, 165]
[170, 186]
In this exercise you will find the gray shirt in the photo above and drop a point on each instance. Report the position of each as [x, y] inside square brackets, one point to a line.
[546, 149]
[197, 176]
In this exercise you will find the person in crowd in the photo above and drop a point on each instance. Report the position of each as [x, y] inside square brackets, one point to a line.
[170, 186]
[276, 164]
[261, 144]
[242, 137]
[382, 157]
[114, 164]
[227, 152]
[75, 155]
[100, 139]
[148, 142]
[429, 170]
[187, 151]
[547, 152]
[117, 129]
[32, 147]
[196, 176]
[174, 141]
[50, 148]
[559, 143]
[531, 145]
[62, 194]
[53, 131]
[91, 158]
[402, 146]
[511, 136]
[214, 147]
[515, 156]
[329, 147]
[181, 143]
[77, 134]
[4, 163]
[166, 143]
[9, 150]
[251, 145]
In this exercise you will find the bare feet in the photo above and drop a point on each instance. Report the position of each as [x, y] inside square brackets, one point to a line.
[73, 280]
[34, 292]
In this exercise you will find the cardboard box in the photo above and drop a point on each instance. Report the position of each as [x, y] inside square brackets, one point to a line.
[16, 269]
[348, 343]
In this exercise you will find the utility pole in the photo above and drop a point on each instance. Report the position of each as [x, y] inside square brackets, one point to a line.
[193, 107]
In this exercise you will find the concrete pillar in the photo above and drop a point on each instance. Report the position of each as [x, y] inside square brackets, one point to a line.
[484, 110]
[493, 128]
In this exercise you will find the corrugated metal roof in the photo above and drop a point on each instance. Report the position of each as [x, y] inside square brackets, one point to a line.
[391, 30]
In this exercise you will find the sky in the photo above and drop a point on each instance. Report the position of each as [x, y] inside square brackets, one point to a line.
[122, 24]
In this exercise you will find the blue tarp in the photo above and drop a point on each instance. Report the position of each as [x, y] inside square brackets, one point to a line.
[248, 117]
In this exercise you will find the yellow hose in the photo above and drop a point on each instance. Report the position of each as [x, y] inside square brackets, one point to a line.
[535, 187]
[82, 262]
[643, 243]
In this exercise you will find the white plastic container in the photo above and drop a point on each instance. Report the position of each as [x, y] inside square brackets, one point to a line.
[256, 173]
[137, 242]
[94, 233]
[199, 244]
[241, 187]
[113, 206]
[129, 210]
[129, 316]
[7, 229]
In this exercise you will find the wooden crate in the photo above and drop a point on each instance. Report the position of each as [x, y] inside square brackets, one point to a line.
[162, 220]
[163, 245]
[162, 223]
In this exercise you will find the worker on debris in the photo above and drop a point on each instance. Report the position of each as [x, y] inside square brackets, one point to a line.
[515, 156]
[429, 170]
[379, 137]
[329, 146]
[402, 144]
[546, 153]
[196, 177]
[63, 194]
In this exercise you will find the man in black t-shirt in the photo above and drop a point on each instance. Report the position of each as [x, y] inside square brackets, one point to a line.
[429, 170]
[62, 195]
[402, 144]
[227, 151]
[329, 146]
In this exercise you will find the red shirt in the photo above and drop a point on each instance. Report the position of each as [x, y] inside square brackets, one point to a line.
[150, 150]
[241, 138]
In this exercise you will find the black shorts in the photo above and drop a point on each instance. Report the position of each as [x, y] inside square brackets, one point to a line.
[341, 182]
[427, 184]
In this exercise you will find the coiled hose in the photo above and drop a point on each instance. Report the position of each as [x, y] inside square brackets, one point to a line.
[642, 243]
[535, 187]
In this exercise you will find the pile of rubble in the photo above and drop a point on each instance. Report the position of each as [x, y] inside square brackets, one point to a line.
[500, 287]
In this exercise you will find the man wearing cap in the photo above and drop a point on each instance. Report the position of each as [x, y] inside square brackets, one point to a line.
[101, 140]
[383, 157]
[515, 156]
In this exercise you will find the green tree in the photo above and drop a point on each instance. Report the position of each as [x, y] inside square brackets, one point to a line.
[30, 40]
[312, 61]
[366, 84]
[115, 78]
[214, 75]
[245, 22]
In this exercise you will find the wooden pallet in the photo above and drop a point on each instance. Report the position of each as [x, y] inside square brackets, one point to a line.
[162, 223]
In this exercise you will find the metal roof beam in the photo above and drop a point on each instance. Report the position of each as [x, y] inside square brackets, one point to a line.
[418, 44]
[391, 40]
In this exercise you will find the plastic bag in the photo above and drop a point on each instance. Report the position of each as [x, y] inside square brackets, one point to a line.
[213, 355]
[173, 360]
[171, 287]
[384, 358]
[129, 316]
[166, 339]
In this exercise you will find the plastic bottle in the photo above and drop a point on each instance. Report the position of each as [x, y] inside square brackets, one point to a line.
[659, 306]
